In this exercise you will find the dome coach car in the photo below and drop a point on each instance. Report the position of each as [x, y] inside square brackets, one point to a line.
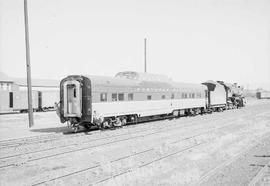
[129, 97]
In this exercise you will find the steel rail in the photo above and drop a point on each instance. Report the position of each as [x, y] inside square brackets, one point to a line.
[108, 137]
[138, 153]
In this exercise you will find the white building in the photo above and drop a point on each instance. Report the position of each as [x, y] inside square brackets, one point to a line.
[13, 92]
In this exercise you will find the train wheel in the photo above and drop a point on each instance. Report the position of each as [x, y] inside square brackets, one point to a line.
[124, 121]
[76, 129]
[68, 124]
[106, 125]
[133, 119]
[118, 122]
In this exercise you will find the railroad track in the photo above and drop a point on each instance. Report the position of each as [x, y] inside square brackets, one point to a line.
[50, 137]
[18, 141]
[94, 146]
[55, 137]
[207, 175]
[85, 148]
[262, 177]
[37, 139]
[161, 128]
[44, 138]
[142, 152]
[181, 150]
[7, 165]
[144, 164]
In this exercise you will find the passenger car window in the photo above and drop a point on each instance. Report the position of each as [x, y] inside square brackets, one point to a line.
[130, 96]
[184, 95]
[149, 97]
[103, 97]
[74, 93]
[121, 97]
[114, 97]
[172, 96]
[163, 96]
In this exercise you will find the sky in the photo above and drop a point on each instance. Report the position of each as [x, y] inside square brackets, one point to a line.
[187, 40]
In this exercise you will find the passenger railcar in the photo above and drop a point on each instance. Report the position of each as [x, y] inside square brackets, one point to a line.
[263, 95]
[128, 97]
[131, 97]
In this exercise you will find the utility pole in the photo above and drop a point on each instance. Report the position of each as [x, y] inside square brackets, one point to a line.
[145, 70]
[28, 67]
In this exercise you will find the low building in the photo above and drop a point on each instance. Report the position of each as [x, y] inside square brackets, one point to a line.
[13, 91]
[7, 83]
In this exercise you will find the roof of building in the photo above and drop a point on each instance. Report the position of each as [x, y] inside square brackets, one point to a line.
[35, 82]
[5, 78]
[38, 82]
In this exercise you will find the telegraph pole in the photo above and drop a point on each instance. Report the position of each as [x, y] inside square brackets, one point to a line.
[28, 67]
[145, 70]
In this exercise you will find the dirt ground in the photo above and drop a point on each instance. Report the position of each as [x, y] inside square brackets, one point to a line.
[225, 148]
[16, 125]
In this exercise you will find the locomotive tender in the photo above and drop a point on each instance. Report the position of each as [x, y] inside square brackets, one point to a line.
[131, 97]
